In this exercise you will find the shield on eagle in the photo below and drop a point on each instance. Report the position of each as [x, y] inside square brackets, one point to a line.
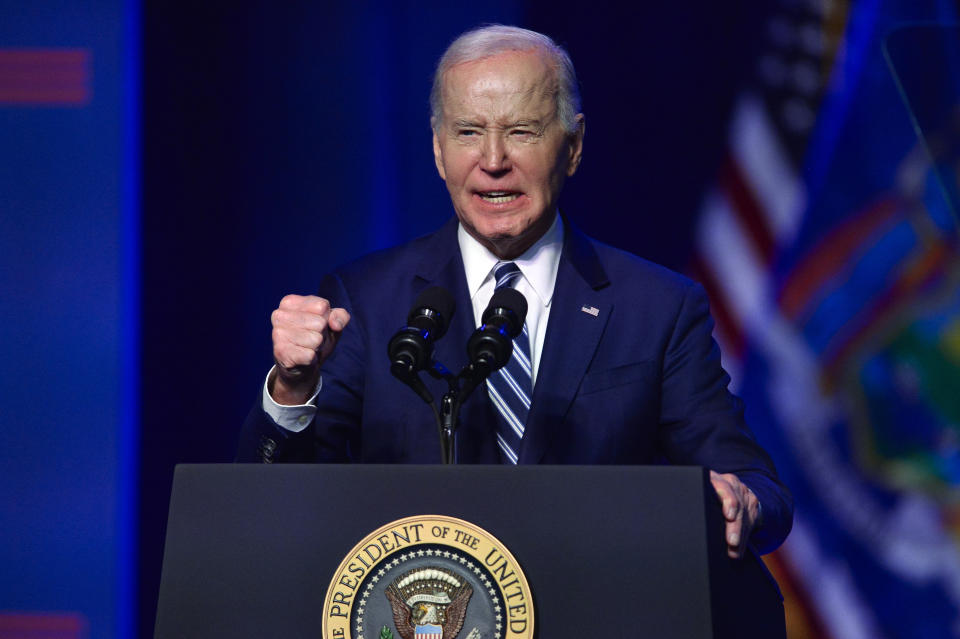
[429, 631]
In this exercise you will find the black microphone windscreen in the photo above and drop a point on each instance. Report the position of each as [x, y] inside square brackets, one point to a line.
[512, 299]
[437, 299]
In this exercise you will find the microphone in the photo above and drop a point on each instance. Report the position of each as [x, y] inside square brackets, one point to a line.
[411, 348]
[491, 345]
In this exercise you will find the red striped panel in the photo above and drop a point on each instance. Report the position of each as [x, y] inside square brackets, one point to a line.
[56, 77]
[747, 209]
[43, 625]
[725, 320]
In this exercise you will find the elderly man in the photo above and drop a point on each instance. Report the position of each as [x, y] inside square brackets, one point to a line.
[616, 364]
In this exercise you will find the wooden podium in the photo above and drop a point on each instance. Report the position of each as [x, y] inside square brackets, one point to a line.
[623, 551]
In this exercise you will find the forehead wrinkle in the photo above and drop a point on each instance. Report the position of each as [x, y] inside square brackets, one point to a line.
[493, 88]
[509, 98]
[524, 106]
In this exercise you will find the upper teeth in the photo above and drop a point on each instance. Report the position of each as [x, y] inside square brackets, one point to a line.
[499, 196]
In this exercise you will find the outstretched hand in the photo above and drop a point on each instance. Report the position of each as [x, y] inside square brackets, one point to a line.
[741, 510]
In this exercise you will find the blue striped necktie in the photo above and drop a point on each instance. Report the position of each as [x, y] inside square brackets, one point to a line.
[511, 387]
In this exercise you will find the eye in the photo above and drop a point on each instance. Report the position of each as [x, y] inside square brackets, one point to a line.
[522, 133]
[466, 133]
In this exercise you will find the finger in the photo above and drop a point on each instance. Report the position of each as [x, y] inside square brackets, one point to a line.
[298, 319]
[730, 505]
[738, 490]
[301, 337]
[735, 537]
[330, 339]
[306, 303]
[290, 302]
[751, 511]
[749, 504]
[338, 319]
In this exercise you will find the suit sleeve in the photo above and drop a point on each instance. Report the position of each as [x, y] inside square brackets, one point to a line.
[333, 436]
[703, 423]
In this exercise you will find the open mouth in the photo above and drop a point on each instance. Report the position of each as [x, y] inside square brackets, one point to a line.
[498, 197]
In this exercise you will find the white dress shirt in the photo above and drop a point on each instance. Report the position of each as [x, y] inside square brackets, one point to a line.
[538, 267]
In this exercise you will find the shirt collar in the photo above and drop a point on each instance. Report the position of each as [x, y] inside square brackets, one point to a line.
[539, 263]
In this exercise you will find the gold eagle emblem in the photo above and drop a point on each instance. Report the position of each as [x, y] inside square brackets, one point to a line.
[429, 596]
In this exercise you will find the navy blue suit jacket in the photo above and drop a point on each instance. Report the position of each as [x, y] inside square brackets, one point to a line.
[638, 381]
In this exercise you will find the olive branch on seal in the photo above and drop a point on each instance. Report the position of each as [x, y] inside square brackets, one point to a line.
[385, 633]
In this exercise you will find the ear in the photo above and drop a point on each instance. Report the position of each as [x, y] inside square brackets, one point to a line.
[576, 145]
[438, 156]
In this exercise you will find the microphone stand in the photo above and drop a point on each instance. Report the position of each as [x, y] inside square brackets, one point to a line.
[448, 415]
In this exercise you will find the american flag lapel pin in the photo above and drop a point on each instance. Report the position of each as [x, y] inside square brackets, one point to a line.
[590, 310]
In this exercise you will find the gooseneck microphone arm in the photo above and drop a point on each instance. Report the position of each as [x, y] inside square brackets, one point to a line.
[489, 348]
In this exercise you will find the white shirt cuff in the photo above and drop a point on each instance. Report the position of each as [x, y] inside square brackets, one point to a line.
[292, 418]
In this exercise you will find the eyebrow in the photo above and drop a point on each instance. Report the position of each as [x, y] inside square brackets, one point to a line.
[463, 123]
[530, 123]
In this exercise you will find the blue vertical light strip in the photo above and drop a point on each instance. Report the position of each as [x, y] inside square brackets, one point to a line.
[128, 437]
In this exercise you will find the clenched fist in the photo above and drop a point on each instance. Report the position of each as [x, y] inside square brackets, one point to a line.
[305, 331]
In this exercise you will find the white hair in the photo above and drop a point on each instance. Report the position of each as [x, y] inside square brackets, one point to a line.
[494, 39]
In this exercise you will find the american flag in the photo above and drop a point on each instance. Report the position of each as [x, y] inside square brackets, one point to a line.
[756, 205]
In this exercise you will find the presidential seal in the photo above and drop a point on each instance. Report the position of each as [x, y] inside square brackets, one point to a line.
[428, 577]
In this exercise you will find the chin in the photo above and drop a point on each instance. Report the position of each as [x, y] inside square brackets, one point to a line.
[500, 234]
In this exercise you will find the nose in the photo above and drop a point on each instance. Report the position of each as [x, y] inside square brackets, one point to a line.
[495, 159]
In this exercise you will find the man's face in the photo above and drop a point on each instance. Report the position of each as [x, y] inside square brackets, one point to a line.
[502, 151]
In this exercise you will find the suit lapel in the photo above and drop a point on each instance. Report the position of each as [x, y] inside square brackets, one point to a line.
[578, 315]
